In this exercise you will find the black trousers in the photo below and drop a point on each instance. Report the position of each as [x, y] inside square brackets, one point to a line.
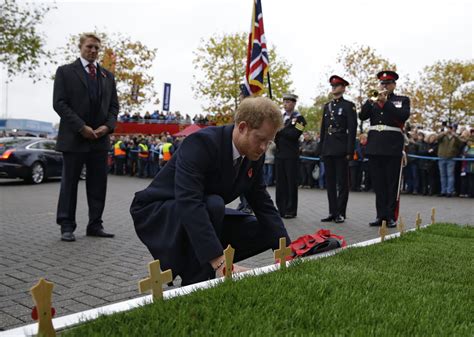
[385, 172]
[306, 170]
[337, 184]
[286, 193]
[241, 230]
[96, 187]
[120, 165]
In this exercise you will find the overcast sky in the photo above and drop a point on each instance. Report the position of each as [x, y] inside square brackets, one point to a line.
[307, 33]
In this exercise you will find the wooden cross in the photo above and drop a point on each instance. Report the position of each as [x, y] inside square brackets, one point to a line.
[281, 253]
[418, 221]
[42, 292]
[383, 231]
[433, 214]
[229, 262]
[156, 280]
[401, 226]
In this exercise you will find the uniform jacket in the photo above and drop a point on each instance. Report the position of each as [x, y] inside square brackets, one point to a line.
[339, 114]
[72, 103]
[394, 112]
[287, 139]
[170, 215]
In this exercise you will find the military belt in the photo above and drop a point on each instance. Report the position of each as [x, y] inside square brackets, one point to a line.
[382, 127]
[330, 130]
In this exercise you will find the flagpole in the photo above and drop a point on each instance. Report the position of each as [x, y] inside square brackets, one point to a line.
[269, 85]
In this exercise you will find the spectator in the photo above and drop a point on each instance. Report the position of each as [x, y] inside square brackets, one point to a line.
[468, 153]
[147, 115]
[449, 146]
[411, 170]
[143, 154]
[162, 117]
[125, 117]
[307, 149]
[423, 164]
[269, 164]
[154, 115]
[188, 120]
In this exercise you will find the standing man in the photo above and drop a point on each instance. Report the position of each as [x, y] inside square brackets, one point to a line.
[85, 97]
[286, 158]
[387, 113]
[338, 133]
[181, 217]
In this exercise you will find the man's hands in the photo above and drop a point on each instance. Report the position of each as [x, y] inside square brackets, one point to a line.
[88, 133]
[218, 265]
[101, 131]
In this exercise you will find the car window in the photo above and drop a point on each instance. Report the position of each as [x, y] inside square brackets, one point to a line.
[12, 142]
[36, 146]
[48, 145]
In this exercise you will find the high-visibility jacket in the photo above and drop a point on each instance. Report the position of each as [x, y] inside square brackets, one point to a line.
[118, 151]
[143, 153]
[166, 151]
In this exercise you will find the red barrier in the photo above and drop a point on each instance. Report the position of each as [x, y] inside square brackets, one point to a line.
[147, 128]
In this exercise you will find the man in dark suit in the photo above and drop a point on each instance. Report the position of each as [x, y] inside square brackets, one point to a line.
[338, 132]
[387, 113]
[85, 97]
[181, 216]
[286, 158]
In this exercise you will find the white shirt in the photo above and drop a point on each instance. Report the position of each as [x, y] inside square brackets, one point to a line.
[85, 63]
[235, 153]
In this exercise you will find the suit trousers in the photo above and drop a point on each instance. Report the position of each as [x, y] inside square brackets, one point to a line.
[286, 193]
[96, 187]
[385, 172]
[241, 230]
[337, 184]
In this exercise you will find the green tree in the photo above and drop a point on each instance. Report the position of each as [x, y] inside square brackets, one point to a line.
[361, 64]
[22, 46]
[220, 67]
[314, 113]
[130, 61]
[444, 92]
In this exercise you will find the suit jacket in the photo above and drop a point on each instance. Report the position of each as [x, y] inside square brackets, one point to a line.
[287, 139]
[338, 114]
[170, 215]
[394, 112]
[72, 103]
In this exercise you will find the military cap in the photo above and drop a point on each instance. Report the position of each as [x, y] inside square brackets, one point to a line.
[290, 97]
[387, 76]
[336, 80]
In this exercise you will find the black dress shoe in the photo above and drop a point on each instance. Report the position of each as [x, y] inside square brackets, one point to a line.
[391, 223]
[376, 223]
[289, 216]
[329, 218]
[339, 219]
[68, 237]
[100, 233]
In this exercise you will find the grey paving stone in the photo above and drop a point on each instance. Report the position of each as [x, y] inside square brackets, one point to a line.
[93, 272]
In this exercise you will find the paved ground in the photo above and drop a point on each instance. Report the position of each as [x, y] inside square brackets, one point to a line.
[92, 272]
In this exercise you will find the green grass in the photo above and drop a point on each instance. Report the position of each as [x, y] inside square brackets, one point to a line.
[417, 285]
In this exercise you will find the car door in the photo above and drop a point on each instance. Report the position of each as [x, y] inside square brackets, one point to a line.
[53, 157]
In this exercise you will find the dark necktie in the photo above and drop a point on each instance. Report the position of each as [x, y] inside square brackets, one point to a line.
[237, 164]
[92, 71]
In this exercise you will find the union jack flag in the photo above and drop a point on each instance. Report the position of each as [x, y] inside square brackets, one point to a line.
[257, 55]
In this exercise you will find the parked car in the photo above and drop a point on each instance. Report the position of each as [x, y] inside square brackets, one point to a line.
[31, 159]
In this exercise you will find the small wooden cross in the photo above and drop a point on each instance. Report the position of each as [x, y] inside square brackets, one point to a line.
[281, 253]
[401, 226]
[383, 231]
[418, 221]
[229, 261]
[156, 280]
[433, 214]
[42, 292]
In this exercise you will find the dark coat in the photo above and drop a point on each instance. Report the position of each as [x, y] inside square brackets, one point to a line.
[394, 112]
[287, 139]
[341, 115]
[170, 215]
[71, 100]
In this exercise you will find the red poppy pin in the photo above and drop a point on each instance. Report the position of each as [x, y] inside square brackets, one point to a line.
[250, 173]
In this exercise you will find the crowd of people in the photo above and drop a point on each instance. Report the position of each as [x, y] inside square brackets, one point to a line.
[176, 117]
[442, 175]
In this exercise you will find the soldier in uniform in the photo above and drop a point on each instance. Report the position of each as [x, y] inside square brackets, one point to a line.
[338, 132]
[286, 158]
[387, 113]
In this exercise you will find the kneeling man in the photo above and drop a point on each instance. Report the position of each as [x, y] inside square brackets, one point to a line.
[181, 217]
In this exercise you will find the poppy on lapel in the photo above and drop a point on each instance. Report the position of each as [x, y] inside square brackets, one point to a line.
[250, 173]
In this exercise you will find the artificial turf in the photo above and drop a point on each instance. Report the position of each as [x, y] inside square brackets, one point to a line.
[418, 285]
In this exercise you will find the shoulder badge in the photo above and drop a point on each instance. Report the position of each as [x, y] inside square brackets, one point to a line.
[299, 126]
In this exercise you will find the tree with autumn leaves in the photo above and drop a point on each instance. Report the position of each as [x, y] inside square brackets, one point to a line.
[220, 67]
